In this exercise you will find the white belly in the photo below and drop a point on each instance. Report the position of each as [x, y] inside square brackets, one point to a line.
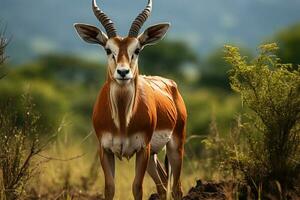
[123, 147]
[126, 147]
[160, 139]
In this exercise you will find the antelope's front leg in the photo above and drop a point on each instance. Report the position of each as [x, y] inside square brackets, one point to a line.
[108, 165]
[142, 158]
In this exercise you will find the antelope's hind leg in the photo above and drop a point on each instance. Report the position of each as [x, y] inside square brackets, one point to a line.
[160, 182]
[175, 150]
[107, 160]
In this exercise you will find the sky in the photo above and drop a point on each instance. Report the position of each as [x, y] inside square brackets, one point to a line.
[46, 26]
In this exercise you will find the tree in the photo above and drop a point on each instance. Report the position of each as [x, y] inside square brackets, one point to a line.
[64, 70]
[214, 72]
[166, 57]
[289, 43]
[3, 45]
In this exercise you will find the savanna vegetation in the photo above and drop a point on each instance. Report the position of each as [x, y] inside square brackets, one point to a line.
[262, 148]
[243, 127]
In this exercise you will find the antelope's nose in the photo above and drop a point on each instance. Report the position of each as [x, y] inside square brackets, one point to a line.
[123, 72]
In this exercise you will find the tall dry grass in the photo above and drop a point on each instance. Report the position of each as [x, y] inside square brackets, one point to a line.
[73, 168]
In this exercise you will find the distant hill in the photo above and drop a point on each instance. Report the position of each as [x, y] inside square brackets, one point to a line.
[44, 26]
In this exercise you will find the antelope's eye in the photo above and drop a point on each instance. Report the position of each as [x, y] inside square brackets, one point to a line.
[108, 51]
[137, 51]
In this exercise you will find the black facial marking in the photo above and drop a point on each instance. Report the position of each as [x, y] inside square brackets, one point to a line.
[108, 51]
[114, 58]
[137, 51]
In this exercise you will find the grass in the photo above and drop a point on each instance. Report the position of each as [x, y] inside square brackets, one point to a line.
[62, 174]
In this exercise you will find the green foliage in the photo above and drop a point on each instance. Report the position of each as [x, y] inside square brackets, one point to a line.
[229, 151]
[50, 104]
[289, 43]
[60, 86]
[64, 71]
[203, 103]
[18, 148]
[214, 72]
[271, 91]
[166, 57]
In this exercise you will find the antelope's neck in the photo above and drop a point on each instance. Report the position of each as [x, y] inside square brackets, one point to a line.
[122, 101]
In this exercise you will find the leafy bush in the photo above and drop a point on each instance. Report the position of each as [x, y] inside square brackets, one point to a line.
[270, 90]
[18, 148]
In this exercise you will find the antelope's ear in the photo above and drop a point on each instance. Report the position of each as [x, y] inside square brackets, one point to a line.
[153, 34]
[91, 34]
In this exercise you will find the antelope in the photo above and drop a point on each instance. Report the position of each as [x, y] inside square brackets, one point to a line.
[136, 114]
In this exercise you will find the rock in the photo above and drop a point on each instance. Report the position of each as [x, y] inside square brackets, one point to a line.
[205, 190]
[154, 197]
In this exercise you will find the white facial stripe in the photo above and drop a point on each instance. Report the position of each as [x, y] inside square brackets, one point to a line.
[115, 51]
[130, 50]
[132, 47]
[113, 47]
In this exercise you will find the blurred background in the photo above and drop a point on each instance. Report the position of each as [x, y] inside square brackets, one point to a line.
[63, 74]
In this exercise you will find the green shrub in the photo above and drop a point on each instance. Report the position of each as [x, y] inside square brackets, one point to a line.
[18, 148]
[270, 90]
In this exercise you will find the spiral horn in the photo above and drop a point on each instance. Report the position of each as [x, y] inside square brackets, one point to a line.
[105, 21]
[140, 20]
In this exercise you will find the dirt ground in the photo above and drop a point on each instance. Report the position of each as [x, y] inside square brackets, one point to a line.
[206, 191]
[203, 190]
[228, 190]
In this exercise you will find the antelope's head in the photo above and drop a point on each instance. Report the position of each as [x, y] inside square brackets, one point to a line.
[122, 52]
